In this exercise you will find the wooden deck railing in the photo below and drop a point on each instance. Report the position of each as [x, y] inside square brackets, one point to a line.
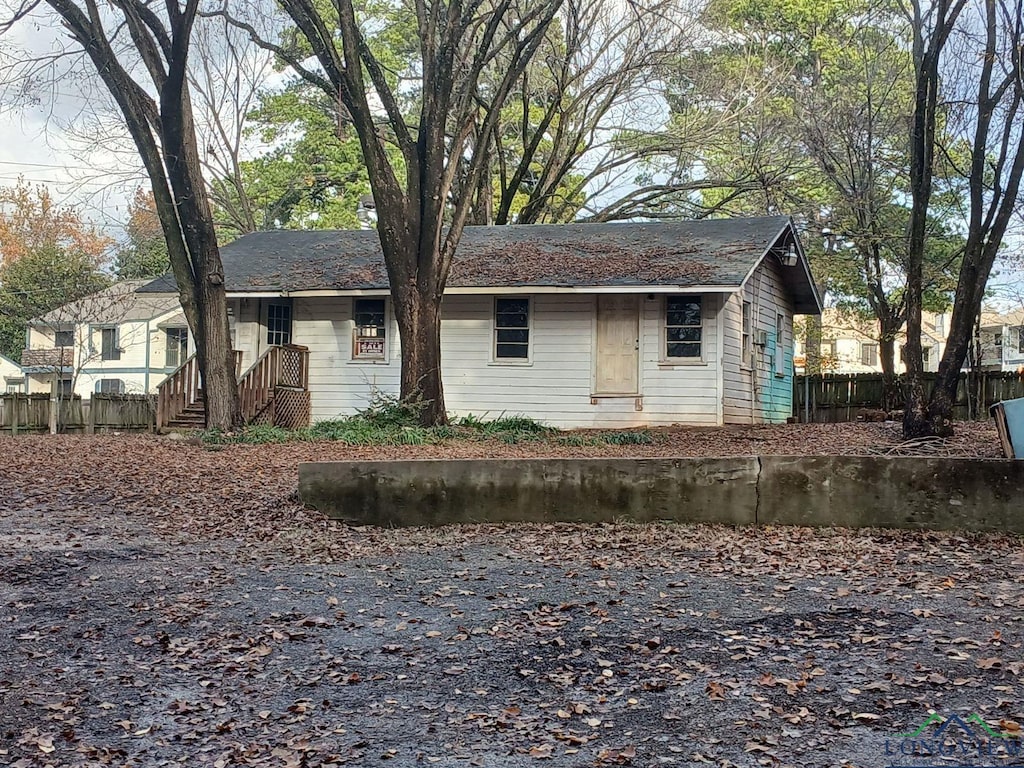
[286, 366]
[181, 389]
[178, 391]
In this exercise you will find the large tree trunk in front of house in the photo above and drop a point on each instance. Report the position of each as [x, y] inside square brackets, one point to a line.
[216, 357]
[419, 325]
[891, 394]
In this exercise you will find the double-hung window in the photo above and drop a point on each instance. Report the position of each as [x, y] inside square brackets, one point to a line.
[512, 328]
[177, 347]
[683, 328]
[279, 324]
[370, 340]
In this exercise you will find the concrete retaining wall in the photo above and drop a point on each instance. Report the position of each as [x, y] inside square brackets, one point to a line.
[848, 491]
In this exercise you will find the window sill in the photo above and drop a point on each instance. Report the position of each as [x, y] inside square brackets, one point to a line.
[367, 362]
[511, 363]
[682, 363]
[613, 395]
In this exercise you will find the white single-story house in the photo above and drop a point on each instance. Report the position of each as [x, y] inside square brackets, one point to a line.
[11, 376]
[114, 341]
[576, 325]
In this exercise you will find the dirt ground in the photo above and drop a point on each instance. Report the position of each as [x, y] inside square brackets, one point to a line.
[165, 604]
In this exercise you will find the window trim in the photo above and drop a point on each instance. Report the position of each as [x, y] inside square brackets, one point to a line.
[167, 346]
[388, 333]
[863, 346]
[746, 335]
[118, 350]
[57, 331]
[121, 390]
[664, 360]
[513, 361]
[780, 346]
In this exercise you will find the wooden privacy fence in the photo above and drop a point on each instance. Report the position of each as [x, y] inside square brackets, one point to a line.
[30, 414]
[835, 397]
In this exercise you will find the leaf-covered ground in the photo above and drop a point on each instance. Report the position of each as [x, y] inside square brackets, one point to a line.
[166, 604]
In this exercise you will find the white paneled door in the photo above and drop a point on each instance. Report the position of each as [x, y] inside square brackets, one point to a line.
[617, 360]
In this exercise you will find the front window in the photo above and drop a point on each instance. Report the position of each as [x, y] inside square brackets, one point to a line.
[512, 328]
[109, 349]
[683, 328]
[110, 386]
[370, 340]
[177, 347]
[279, 324]
[64, 338]
[869, 355]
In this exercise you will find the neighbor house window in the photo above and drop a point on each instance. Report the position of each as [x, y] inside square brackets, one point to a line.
[177, 347]
[683, 329]
[370, 340]
[110, 387]
[512, 328]
[14, 386]
[869, 354]
[109, 349]
[828, 348]
[748, 349]
[279, 324]
[1020, 340]
[64, 387]
[780, 345]
[64, 338]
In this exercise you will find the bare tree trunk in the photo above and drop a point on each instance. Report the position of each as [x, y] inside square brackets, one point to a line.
[812, 345]
[891, 392]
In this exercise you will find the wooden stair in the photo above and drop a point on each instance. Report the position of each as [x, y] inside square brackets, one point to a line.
[180, 403]
[192, 418]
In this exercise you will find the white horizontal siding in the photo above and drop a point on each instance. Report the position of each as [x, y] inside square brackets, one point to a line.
[555, 386]
[757, 395]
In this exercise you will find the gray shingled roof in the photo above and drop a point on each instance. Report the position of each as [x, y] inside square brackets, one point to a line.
[711, 252]
[119, 303]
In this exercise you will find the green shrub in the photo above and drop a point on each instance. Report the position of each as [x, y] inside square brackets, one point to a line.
[639, 437]
[387, 410]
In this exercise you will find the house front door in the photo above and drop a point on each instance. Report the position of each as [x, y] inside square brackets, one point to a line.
[617, 361]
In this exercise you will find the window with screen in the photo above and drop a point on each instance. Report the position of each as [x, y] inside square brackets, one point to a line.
[683, 327]
[177, 347]
[512, 328]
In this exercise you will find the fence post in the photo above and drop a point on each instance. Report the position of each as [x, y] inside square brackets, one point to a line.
[14, 415]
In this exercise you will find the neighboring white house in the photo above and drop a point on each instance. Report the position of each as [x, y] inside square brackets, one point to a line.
[116, 340]
[12, 379]
[850, 344]
[593, 325]
[1001, 341]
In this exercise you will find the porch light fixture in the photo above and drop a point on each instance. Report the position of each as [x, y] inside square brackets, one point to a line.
[789, 258]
